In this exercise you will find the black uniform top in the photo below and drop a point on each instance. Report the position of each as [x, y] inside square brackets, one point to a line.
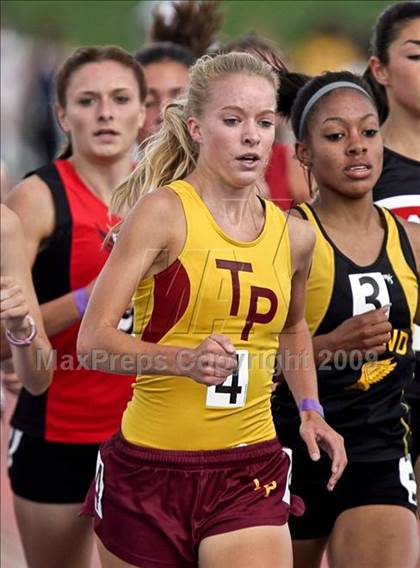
[398, 189]
[363, 400]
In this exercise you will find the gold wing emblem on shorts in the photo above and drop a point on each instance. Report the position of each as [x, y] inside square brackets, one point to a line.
[373, 372]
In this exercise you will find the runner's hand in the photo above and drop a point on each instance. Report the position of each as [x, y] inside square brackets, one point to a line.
[212, 361]
[318, 435]
[13, 306]
[367, 332]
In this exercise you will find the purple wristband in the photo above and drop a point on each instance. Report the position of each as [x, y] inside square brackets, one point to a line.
[81, 299]
[17, 341]
[310, 404]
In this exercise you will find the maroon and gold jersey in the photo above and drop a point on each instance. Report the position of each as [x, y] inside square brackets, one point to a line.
[216, 285]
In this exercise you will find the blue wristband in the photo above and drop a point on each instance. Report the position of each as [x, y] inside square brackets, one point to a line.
[81, 299]
[310, 404]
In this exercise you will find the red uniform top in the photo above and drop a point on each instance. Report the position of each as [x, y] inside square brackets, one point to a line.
[277, 178]
[81, 406]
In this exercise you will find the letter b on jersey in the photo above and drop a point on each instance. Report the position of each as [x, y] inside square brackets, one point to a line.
[369, 291]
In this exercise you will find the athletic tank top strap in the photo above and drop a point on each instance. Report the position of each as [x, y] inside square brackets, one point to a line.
[50, 176]
[301, 210]
[56, 251]
[404, 241]
[403, 264]
[322, 272]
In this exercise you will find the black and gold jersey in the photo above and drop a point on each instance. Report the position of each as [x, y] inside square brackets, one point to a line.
[398, 189]
[363, 399]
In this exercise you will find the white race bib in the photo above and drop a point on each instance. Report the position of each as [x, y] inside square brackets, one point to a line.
[232, 393]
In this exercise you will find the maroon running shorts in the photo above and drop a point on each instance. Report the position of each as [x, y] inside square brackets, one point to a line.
[152, 508]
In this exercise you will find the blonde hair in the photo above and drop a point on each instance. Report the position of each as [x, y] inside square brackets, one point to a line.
[171, 153]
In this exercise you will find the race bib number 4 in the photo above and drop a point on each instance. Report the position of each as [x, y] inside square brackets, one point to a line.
[232, 393]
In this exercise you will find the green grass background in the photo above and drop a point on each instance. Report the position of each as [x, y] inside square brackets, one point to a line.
[112, 21]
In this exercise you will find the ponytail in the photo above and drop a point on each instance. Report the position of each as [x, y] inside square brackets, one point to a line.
[379, 94]
[290, 84]
[193, 25]
[167, 155]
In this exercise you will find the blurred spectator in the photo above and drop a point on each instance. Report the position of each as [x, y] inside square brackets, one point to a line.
[15, 73]
[40, 126]
[29, 132]
[193, 24]
[165, 66]
[179, 33]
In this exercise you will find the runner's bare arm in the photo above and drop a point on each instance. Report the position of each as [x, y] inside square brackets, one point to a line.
[31, 200]
[145, 246]
[296, 345]
[18, 300]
